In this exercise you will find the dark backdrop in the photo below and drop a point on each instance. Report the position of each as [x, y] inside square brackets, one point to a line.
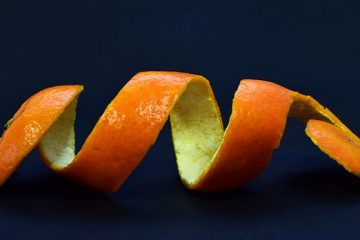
[309, 46]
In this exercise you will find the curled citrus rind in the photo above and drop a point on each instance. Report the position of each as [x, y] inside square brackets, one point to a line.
[208, 157]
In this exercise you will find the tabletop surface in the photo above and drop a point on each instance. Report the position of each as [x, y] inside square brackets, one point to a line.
[309, 46]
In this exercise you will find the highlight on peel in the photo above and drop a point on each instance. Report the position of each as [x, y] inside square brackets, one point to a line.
[208, 157]
[31, 123]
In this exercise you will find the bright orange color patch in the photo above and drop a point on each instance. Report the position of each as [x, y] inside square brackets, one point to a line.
[133, 120]
[30, 123]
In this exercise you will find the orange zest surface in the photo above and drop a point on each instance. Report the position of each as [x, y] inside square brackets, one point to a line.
[208, 157]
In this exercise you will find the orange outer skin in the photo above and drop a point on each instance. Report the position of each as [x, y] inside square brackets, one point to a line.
[133, 120]
[257, 123]
[343, 148]
[127, 129]
[30, 123]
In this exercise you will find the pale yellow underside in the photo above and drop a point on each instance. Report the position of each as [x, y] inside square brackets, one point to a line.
[197, 130]
[58, 144]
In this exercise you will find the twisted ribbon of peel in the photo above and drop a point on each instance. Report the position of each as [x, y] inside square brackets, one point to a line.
[208, 158]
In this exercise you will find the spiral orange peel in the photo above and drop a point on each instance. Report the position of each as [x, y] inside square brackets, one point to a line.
[208, 158]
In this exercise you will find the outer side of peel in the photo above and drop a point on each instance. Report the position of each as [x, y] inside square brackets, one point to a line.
[327, 132]
[339, 145]
[30, 123]
[252, 134]
[208, 157]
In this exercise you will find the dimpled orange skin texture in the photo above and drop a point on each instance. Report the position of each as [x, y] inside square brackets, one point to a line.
[127, 129]
[132, 121]
[255, 128]
[30, 123]
[343, 148]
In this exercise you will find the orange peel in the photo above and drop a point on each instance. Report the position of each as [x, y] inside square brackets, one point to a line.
[208, 158]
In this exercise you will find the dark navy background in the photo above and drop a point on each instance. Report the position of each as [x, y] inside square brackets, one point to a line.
[309, 46]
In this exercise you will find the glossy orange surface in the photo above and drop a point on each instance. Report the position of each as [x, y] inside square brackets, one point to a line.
[340, 146]
[255, 128]
[127, 129]
[133, 120]
[30, 123]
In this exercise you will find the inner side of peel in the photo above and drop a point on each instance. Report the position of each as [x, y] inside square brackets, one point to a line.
[197, 130]
[58, 144]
